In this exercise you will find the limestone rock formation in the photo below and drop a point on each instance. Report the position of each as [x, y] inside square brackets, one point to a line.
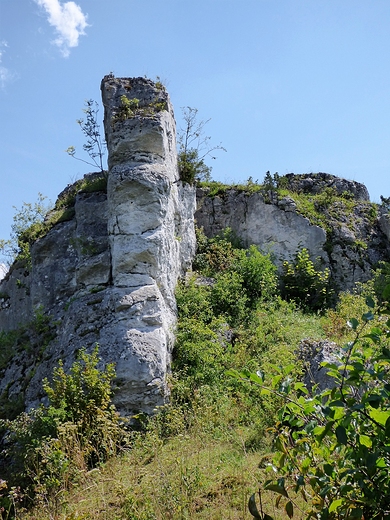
[275, 229]
[108, 274]
[350, 242]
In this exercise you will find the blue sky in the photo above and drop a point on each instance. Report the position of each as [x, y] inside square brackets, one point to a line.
[290, 85]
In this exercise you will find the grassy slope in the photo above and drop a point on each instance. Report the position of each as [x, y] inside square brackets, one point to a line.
[199, 461]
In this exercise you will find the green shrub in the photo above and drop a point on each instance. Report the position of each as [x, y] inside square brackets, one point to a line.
[381, 281]
[258, 272]
[228, 298]
[223, 255]
[49, 448]
[304, 282]
[332, 447]
[27, 227]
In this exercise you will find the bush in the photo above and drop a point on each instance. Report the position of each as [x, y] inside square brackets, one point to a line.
[304, 282]
[259, 277]
[332, 447]
[381, 281]
[28, 226]
[48, 449]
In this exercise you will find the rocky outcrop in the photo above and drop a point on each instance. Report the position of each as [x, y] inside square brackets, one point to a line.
[350, 238]
[313, 354]
[278, 230]
[319, 182]
[108, 274]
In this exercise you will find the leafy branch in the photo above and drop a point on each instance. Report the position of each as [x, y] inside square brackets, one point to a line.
[194, 147]
[95, 146]
[332, 447]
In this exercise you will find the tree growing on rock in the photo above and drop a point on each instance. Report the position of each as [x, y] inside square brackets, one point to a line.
[194, 147]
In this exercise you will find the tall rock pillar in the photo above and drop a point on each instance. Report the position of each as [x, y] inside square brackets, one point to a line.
[151, 236]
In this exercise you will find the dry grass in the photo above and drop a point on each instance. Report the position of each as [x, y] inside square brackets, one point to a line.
[189, 476]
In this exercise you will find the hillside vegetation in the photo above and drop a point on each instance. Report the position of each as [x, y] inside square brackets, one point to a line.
[207, 452]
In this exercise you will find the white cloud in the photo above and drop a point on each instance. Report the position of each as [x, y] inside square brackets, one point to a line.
[68, 20]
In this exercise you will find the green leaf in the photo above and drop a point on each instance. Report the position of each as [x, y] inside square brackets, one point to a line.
[386, 292]
[289, 509]
[328, 468]
[353, 323]
[337, 403]
[373, 337]
[341, 434]
[365, 441]
[252, 506]
[301, 387]
[319, 430]
[368, 316]
[379, 416]
[381, 463]
[256, 379]
[276, 488]
[335, 504]
[370, 302]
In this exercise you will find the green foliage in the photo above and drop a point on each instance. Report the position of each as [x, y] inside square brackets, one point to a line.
[34, 221]
[48, 449]
[194, 147]
[381, 282]
[215, 254]
[192, 167]
[130, 107]
[27, 227]
[304, 283]
[332, 446]
[259, 278]
[94, 146]
[240, 277]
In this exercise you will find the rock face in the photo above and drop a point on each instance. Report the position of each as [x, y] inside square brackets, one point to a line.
[107, 272]
[108, 275]
[3, 271]
[277, 230]
[353, 237]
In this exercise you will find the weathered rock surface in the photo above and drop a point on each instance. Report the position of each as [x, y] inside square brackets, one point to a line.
[277, 230]
[3, 271]
[313, 353]
[108, 275]
[350, 244]
[318, 182]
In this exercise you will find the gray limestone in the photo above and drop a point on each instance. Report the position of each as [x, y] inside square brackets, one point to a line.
[108, 274]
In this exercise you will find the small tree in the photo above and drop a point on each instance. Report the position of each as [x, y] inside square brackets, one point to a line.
[305, 283]
[95, 146]
[26, 229]
[194, 147]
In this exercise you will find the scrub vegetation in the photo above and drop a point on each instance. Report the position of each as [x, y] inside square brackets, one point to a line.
[240, 418]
